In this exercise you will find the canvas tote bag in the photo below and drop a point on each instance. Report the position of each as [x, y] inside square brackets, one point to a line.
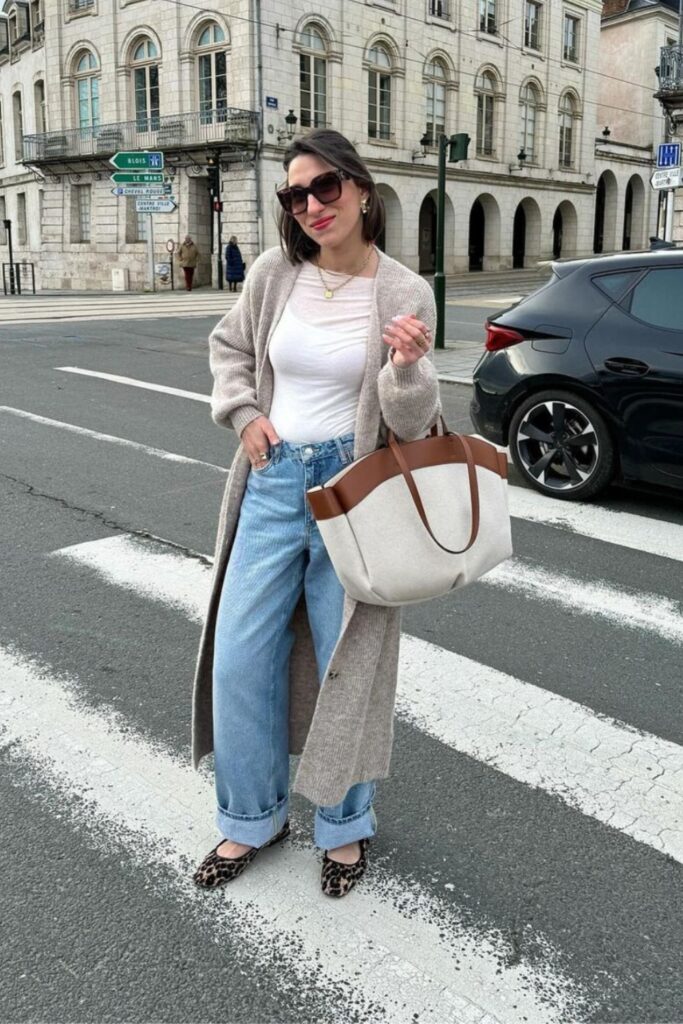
[415, 520]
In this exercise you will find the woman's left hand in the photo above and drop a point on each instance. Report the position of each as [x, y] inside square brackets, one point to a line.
[409, 338]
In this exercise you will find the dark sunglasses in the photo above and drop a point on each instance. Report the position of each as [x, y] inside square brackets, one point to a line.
[325, 187]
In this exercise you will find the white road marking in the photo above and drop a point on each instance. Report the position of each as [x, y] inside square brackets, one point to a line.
[135, 383]
[96, 435]
[605, 769]
[625, 529]
[639, 610]
[407, 951]
[40, 309]
[655, 537]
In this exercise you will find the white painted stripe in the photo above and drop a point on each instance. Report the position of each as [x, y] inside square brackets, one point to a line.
[135, 383]
[405, 950]
[656, 537]
[625, 529]
[603, 768]
[96, 435]
[450, 378]
[75, 318]
[639, 610]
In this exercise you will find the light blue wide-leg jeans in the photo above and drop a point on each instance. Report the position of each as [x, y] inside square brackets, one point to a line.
[277, 552]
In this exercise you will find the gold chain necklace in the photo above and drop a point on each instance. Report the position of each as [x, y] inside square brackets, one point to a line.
[329, 292]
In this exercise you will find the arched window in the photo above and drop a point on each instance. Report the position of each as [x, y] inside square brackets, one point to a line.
[39, 102]
[379, 92]
[567, 115]
[87, 90]
[485, 87]
[146, 85]
[529, 100]
[437, 76]
[212, 74]
[313, 78]
[18, 116]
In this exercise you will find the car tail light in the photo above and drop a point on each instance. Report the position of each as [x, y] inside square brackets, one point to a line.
[498, 337]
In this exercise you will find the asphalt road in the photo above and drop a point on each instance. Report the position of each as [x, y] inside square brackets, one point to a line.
[500, 887]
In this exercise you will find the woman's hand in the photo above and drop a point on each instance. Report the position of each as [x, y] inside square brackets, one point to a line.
[409, 338]
[257, 437]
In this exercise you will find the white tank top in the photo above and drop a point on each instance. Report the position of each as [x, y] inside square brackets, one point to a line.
[318, 352]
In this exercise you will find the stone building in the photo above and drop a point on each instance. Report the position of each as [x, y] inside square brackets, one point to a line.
[238, 78]
[633, 33]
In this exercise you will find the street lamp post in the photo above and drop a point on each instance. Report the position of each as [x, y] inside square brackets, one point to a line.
[7, 224]
[458, 151]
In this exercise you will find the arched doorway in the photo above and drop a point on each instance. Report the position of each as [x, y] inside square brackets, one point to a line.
[390, 240]
[477, 235]
[628, 218]
[634, 211]
[599, 227]
[427, 235]
[565, 231]
[605, 228]
[557, 234]
[519, 238]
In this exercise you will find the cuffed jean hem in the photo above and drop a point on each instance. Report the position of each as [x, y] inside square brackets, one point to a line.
[252, 831]
[329, 833]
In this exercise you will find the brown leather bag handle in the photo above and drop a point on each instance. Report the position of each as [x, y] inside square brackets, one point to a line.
[415, 494]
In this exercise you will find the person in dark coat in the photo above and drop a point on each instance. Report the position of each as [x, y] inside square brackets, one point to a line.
[234, 264]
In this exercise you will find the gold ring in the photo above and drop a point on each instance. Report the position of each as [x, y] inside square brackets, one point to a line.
[262, 456]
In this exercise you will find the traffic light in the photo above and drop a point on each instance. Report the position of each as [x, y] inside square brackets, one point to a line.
[214, 172]
[458, 146]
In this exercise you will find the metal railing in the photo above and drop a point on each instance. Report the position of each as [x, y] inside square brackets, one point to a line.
[671, 69]
[224, 127]
[80, 5]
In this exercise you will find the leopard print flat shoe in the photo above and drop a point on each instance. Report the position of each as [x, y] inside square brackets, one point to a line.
[339, 879]
[216, 870]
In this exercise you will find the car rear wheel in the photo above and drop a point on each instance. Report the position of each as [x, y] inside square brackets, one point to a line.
[561, 445]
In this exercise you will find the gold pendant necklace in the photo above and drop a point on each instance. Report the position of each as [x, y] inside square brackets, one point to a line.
[329, 292]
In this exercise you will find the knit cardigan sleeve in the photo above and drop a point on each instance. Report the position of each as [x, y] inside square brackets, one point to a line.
[409, 395]
[232, 360]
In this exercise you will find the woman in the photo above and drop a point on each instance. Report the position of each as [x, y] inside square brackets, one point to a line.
[322, 352]
[188, 258]
[234, 265]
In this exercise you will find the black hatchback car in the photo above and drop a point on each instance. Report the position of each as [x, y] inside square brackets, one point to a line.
[583, 378]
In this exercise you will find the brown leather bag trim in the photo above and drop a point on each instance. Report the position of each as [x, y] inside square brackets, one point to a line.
[417, 500]
[378, 467]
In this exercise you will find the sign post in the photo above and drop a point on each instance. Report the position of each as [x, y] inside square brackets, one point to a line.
[156, 205]
[170, 249]
[138, 160]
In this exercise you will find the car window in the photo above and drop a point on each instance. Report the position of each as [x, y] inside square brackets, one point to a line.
[615, 285]
[658, 298]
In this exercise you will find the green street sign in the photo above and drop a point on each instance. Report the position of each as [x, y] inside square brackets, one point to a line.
[138, 160]
[131, 178]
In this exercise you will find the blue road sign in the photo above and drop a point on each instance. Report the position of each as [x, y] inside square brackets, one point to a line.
[669, 154]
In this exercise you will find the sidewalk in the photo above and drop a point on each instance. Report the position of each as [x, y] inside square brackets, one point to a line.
[457, 360]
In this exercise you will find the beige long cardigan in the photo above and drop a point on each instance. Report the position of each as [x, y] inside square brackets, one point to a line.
[344, 729]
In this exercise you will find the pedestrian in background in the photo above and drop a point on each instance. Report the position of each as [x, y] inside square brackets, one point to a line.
[234, 264]
[322, 352]
[188, 257]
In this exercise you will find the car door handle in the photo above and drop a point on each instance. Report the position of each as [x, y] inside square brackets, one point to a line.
[627, 367]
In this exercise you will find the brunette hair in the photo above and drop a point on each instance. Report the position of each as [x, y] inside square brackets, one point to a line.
[335, 149]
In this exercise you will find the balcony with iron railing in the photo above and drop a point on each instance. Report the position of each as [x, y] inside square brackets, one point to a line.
[227, 128]
[670, 75]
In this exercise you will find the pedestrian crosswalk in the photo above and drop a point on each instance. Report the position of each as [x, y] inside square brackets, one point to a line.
[44, 308]
[409, 945]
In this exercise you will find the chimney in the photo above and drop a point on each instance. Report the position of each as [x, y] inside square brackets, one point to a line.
[611, 7]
